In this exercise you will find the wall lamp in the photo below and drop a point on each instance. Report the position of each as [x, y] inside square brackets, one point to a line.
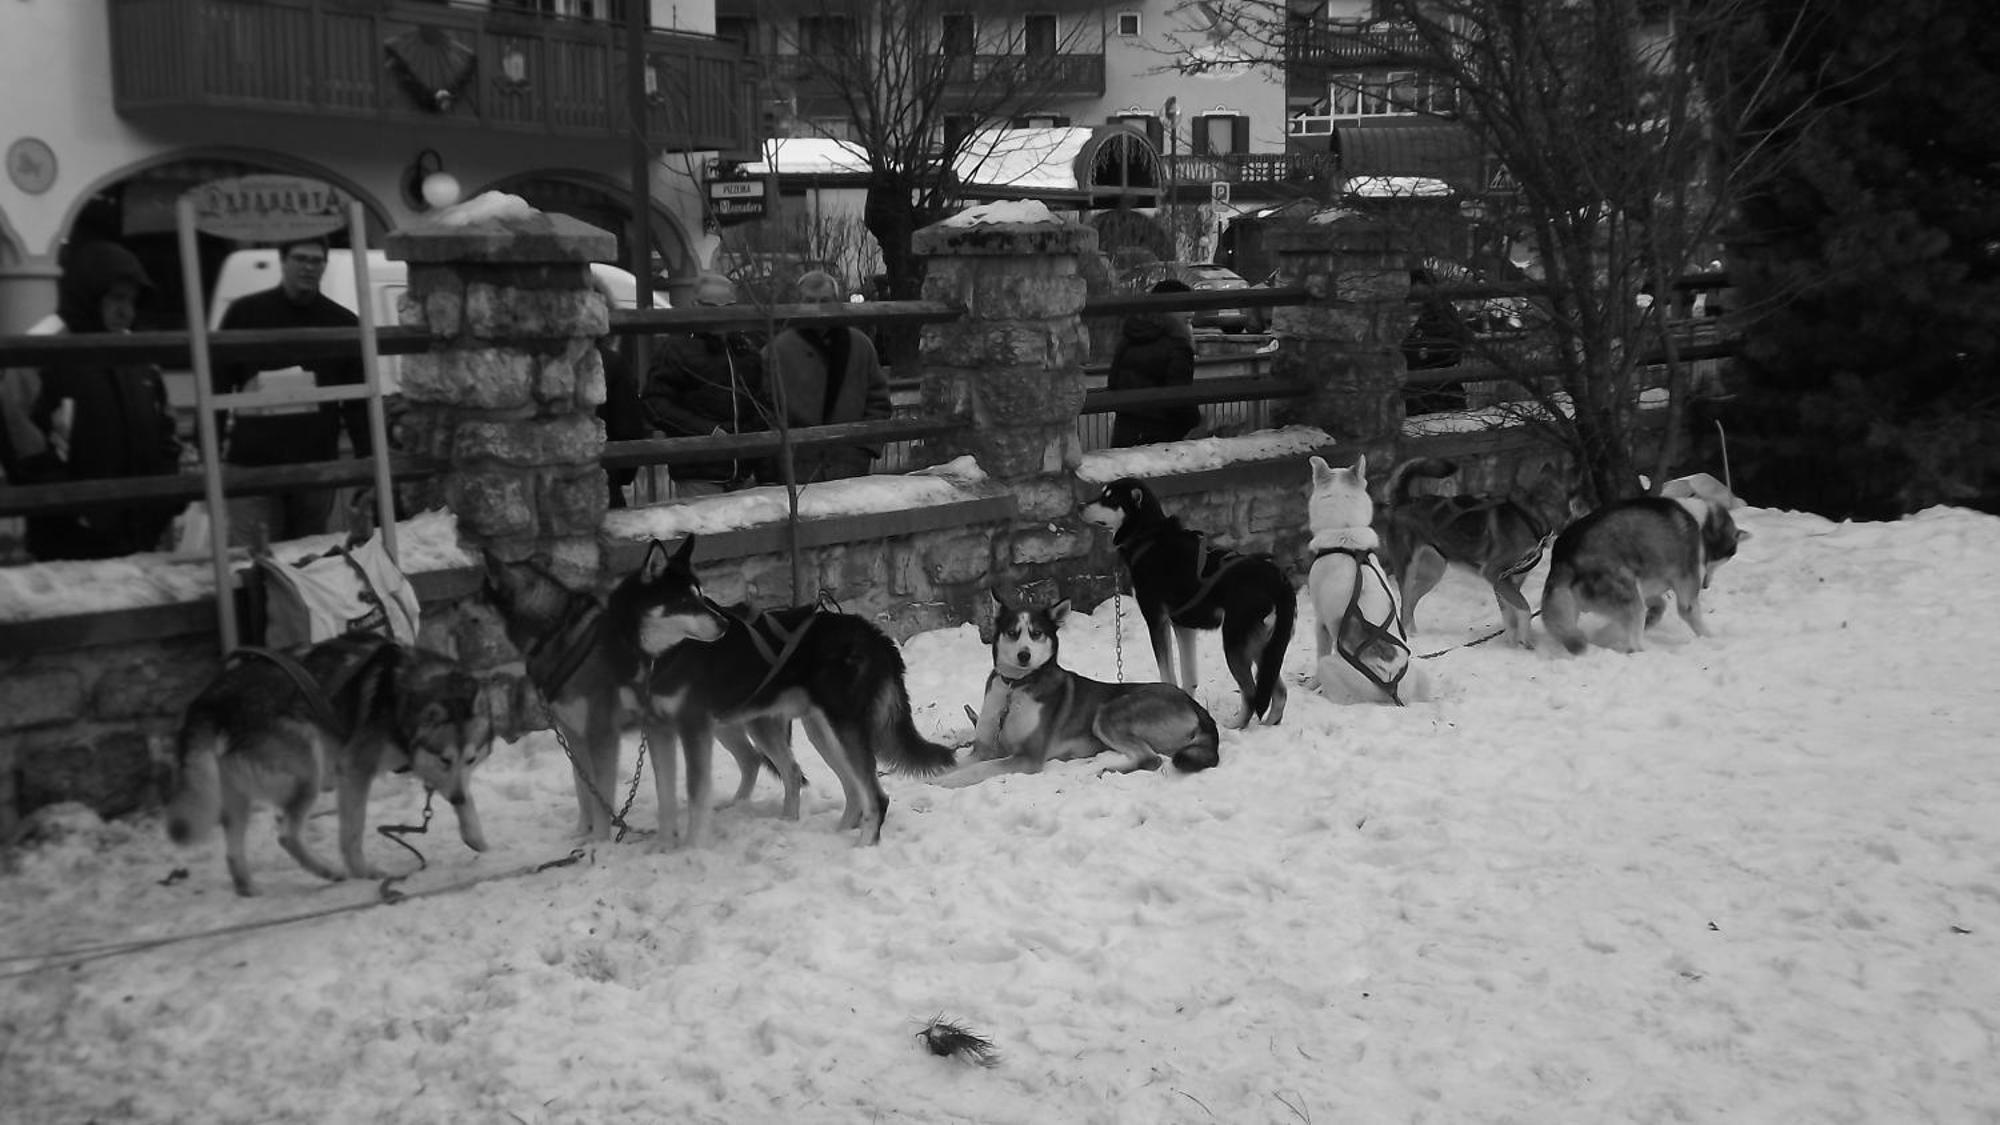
[426, 185]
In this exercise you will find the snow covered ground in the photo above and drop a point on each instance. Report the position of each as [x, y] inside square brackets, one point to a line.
[1751, 878]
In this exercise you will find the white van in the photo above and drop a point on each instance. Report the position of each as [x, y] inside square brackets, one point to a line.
[252, 271]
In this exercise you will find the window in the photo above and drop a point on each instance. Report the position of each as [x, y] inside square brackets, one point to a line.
[826, 35]
[958, 126]
[957, 37]
[1128, 23]
[1398, 93]
[1216, 134]
[1146, 123]
[738, 29]
[1039, 34]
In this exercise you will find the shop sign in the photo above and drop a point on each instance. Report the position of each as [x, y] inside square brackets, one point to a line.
[736, 201]
[268, 208]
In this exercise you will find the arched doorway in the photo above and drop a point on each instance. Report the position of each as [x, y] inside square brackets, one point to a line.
[135, 208]
[607, 206]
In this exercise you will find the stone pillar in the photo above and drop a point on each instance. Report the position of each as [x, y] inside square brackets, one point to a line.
[1012, 367]
[1346, 345]
[507, 399]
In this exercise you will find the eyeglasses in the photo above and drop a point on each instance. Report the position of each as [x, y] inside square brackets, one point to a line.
[311, 261]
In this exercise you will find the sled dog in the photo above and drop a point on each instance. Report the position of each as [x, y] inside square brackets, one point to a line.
[1623, 559]
[256, 735]
[588, 668]
[838, 673]
[1363, 652]
[1500, 538]
[1036, 711]
[1185, 586]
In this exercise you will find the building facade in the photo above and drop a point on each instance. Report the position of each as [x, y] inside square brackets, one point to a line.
[136, 102]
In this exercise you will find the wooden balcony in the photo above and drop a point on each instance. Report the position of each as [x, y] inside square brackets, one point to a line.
[1325, 46]
[407, 62]
[1017, 76]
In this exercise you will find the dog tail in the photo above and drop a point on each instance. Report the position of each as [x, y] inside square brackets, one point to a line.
[1559, 611]
[1271, 663]
[895, 736]
[1203, 753]
[196, 805]
[1433, 468]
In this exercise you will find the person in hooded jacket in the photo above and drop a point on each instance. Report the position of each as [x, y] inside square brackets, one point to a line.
[91, 419]
[705, 383]
[825, 374]
[1154, 350]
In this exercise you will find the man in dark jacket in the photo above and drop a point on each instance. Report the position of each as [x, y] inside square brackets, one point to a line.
[91, 419]
[291, 435]
[706, 383]
[1154, 350]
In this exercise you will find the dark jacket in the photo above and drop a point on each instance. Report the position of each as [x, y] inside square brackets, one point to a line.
[620, 412]
[119, 424]
[702, 382]
[313, 435]
[1154, 350]
[831, 374]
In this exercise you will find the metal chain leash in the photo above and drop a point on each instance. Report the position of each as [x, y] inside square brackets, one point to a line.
[590, 784]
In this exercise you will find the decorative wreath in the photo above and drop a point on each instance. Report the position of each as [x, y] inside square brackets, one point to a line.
[433, 68]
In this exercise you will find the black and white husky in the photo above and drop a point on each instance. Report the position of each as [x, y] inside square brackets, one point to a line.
[1184, 586]
[713, 667]
[1036, 711]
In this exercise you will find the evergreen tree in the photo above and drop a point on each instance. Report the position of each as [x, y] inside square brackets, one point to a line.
[1869, 268]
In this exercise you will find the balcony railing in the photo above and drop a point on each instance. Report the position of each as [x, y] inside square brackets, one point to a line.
[409, 62]
[1349, 46]
[1019, 76]
[1250, 168]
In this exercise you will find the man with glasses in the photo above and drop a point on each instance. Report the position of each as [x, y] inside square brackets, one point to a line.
[288, 435]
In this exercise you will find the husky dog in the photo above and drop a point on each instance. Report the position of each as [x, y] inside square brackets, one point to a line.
[1184, 586]
[1501, 538]
[257, 733]
[1358, 634]
[588, 668]
[1623, 559]
[1036, 711]
[840, 674]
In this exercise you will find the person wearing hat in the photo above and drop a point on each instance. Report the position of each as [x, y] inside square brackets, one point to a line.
[1155, 349]
[91, 419]
[706, 382]
[823, 374]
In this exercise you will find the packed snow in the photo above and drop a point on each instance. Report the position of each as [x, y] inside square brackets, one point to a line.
[1753, 877]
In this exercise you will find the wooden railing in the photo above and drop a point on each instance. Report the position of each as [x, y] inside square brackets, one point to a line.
[1347, 46]
[428, 65]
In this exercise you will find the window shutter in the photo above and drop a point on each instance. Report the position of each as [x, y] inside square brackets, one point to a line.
[1239, 141]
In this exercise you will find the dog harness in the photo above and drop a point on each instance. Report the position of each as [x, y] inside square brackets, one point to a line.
[762, 630]
[1210, 564]
[553, 663]
[1356, 634]
[319, 697]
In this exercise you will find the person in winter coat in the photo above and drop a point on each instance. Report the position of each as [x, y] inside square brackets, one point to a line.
[706, 383]
[1154, 350]
[822, 375]
[291, 435]
[91, 419]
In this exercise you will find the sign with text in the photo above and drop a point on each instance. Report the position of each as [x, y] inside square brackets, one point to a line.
[267, 208]
[736, 201]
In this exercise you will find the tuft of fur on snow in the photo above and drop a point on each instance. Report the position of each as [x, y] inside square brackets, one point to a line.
[948, 1040]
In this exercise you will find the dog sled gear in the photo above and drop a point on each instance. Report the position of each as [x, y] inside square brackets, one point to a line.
[1356, 637]
[555, 658]
[762, 630]
[1210, 564]
[318, 696]
[353, 588]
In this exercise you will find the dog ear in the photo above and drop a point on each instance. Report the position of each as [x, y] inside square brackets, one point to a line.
[655, 562]
[1361, 468]
[683, 559]
[1059, 612]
